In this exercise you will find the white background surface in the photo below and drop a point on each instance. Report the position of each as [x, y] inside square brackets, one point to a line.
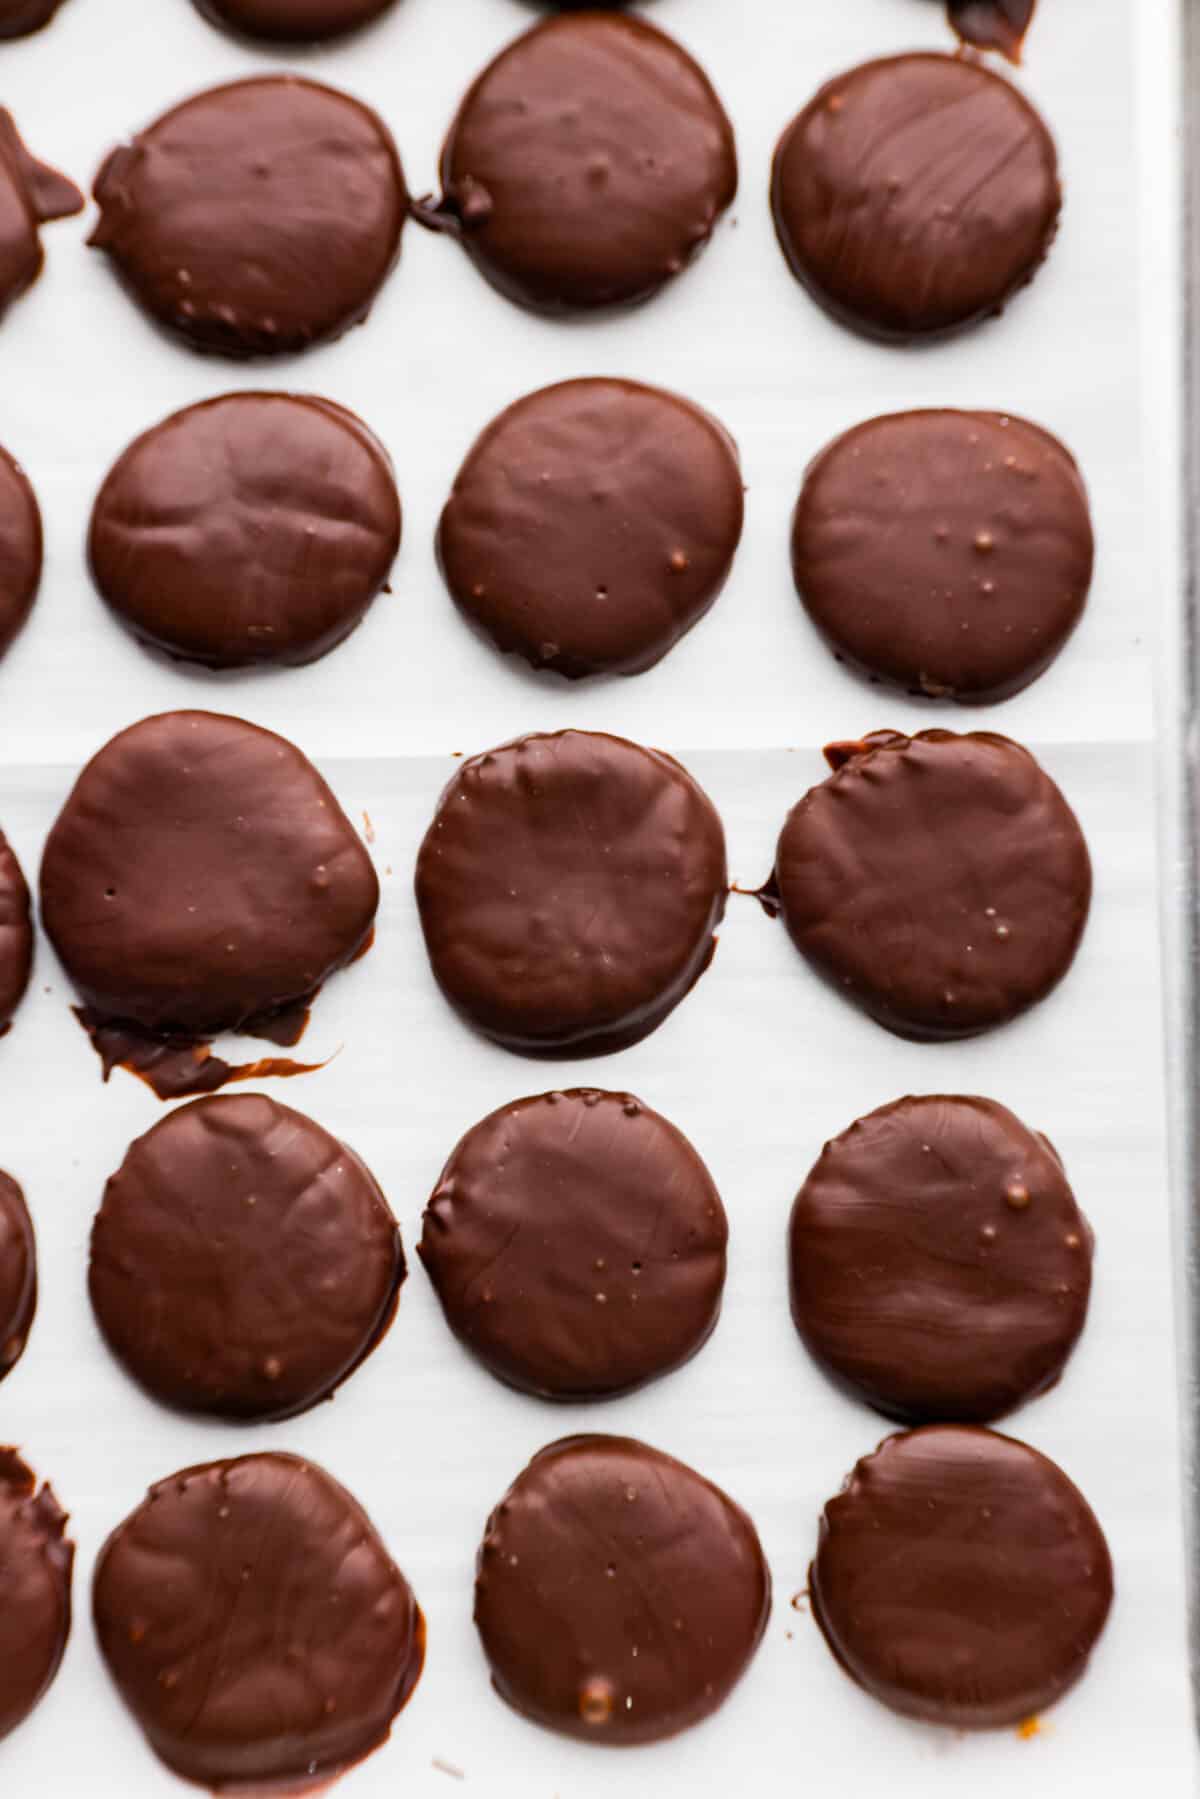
[761, 1064]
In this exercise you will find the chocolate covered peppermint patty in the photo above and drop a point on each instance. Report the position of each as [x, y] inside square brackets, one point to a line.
[18, 1274]
[254, 528]
[939, 1265]
[939, 882]
[577, 1244]
[31, 195]
[945, 553]
[281, 1641]
[587, 165]
[619, 1595]
[255, 219]
[244, 1262]
[293, 21]
[592, 524]
[201, 877]
[569, 889]
[915, 195]
[960, 1577]
[36, 1560]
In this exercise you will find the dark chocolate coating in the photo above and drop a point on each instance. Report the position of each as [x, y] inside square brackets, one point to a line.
[244, 1262]
[256, 527]
[16, 935]
[593, 524]
[201, 877]
[946, 553]
[36, 1559]
[940, 1268]
[20, 18]
[915, 195]
[992, 24]
[569, 889]
[587, 165]
[255, 1625]
[31, 194]
[257, 218]
[960, 1577]
[20, 548]
[619, 1595]
[18, 1275]
[293, 21]
[577, 1244]
[939, 882]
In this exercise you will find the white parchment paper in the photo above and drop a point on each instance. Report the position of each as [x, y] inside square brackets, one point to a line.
[761, 1064]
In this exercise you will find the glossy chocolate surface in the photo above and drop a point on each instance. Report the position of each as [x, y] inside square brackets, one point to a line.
[16, 935]
[569, 889]
[592, 524]
[18, 1274]
[254, 528]
[20, 548]
[256, 218]
[945, 553]
[992, 24]
[293, 21]
[31, 195]
[577, 1244]
[36, 1559]
[255, 1625]
[915, 195]
[201, 877]
[939, 882]
[939, 1265]
[619, 1595]
[244, 1262]
[587, 165]
[960, 1577]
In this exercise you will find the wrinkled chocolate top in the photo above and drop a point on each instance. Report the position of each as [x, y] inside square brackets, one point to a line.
[592, 524]
[256, 527]
[569, 889]
[31, 194]
[915, 195]
[619, 1595]
[18, 1274]
[293, 21]
[947, 553]
[16, 935]
[201, 877]
[244, 1262]
[587, 164]
[940, 882]
[255, 1625]
[992, 24]
[961, 1577]
[35, 1578]
[20, 548]
[18, 18]
[940, 1268]
[256, 218]
[577, 1244]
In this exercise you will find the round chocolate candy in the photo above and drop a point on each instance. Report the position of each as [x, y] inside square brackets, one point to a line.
[960, 1577]
[569, 888]
[619, 1595]
[258, 218]
[244, 1262]
[18, 1274]
[587, 165]
[577, 1244]
[945, 553]
[940, 1267]
[293, 21]
[31, 195]
[592, 525]
[254, 528]
[255, 1625]
[939, 882]
[915, 195]
[36, 1559]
